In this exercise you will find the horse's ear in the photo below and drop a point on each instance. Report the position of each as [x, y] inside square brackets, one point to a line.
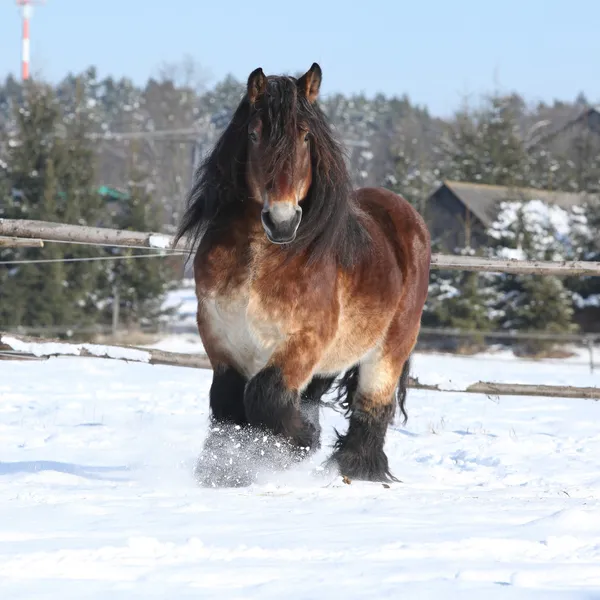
[257, 84]
[310, 83]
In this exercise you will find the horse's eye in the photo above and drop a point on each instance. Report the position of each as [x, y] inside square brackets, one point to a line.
[306, 136]
[253, 136]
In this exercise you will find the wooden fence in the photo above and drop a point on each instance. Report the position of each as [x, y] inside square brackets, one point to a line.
[21, 232]
[101, 236]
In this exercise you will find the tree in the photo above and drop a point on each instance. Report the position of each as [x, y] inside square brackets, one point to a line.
[30, 294]
[481, 146]
[48, 176]
[486, 146]
[586, 246]
[460, 299]
[535, 303]
[413, 176]
[138, 284]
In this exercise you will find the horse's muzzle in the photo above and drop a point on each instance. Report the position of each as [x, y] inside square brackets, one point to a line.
[281, 221]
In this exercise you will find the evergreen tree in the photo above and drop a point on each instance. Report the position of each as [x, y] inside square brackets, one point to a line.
[547, 171]
[460, 299]
[413, 176]
[482, 146]
[139, 284]
[540, 303]
[580, 172]
[28, 292]
[49, 176]
[586, 246]
[486, 146]
[80, 204]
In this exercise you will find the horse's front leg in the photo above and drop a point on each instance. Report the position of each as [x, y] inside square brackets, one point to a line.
[272, 397]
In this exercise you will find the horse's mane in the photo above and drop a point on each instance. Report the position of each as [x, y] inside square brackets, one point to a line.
[330, 223]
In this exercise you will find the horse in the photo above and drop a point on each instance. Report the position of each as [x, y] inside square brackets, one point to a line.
[304, 285]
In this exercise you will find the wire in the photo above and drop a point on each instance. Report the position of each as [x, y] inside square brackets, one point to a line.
[84, 259]
[103, 245]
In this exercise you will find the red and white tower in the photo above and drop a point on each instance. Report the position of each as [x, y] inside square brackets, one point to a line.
[26, 11]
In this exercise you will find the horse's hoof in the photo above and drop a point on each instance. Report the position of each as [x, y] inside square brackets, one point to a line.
[307, 440]
[362, 466]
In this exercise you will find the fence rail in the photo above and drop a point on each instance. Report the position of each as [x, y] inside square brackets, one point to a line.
[45, 348]
[34, 232]
[582, 338]
[101, 236]
[524, 267]
[82, 234]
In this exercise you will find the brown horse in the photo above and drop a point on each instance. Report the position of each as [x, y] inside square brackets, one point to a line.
[301, 280]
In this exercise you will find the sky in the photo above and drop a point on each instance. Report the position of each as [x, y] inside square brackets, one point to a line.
[438, 52]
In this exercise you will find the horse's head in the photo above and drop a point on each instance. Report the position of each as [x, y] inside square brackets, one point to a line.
[279, 166]
[280, 153]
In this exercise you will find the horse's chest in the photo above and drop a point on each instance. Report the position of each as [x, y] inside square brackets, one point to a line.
[241, 329]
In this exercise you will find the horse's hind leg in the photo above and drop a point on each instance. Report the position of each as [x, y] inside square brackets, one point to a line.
[359, 453]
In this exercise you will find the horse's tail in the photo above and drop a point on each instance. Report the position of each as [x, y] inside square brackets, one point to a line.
[347, 385]
[402, 388]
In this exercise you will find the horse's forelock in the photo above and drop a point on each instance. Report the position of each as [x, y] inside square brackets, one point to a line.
[279, 112]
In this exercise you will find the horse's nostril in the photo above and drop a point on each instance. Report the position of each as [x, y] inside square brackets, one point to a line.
[268, 220]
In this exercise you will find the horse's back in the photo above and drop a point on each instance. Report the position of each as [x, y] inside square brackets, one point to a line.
[399, 222]
[395, 222]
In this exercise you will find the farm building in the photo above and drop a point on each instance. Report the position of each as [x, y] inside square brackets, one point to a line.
[459, 213]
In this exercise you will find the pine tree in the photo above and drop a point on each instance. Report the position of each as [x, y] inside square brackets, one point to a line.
[460, 299]
[586, 246]
[80, 204]
[482, 146]
[413, 176]
[486, 146]
[45, 305]
[48, 175]
[28, 292]
[535, 303]
[579, 171]
[139, 284]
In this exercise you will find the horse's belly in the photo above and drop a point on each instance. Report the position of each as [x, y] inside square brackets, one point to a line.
[343, 354]
[356, 336]
[247, 343]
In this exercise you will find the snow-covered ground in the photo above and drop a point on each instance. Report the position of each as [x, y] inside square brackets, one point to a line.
[500, 496]
[184, 304]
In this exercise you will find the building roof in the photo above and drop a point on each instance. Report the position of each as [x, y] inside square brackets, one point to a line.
[482, 199]
[565, 119]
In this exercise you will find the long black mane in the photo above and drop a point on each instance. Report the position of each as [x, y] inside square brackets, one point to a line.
[330, 222]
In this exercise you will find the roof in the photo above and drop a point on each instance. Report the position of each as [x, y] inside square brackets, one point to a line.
[482, 199]
[560, 120]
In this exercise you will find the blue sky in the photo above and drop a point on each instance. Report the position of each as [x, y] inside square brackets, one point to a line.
[436, 51]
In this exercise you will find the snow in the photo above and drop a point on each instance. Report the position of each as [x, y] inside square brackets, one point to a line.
[159, 241]
[116, 352]
[52, 348]
[40, 349]
[184, 302]
[500, 496]
[591, 300]
[549, 225]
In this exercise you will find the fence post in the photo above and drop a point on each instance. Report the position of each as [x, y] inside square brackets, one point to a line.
[115, 310]
[590, 345]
